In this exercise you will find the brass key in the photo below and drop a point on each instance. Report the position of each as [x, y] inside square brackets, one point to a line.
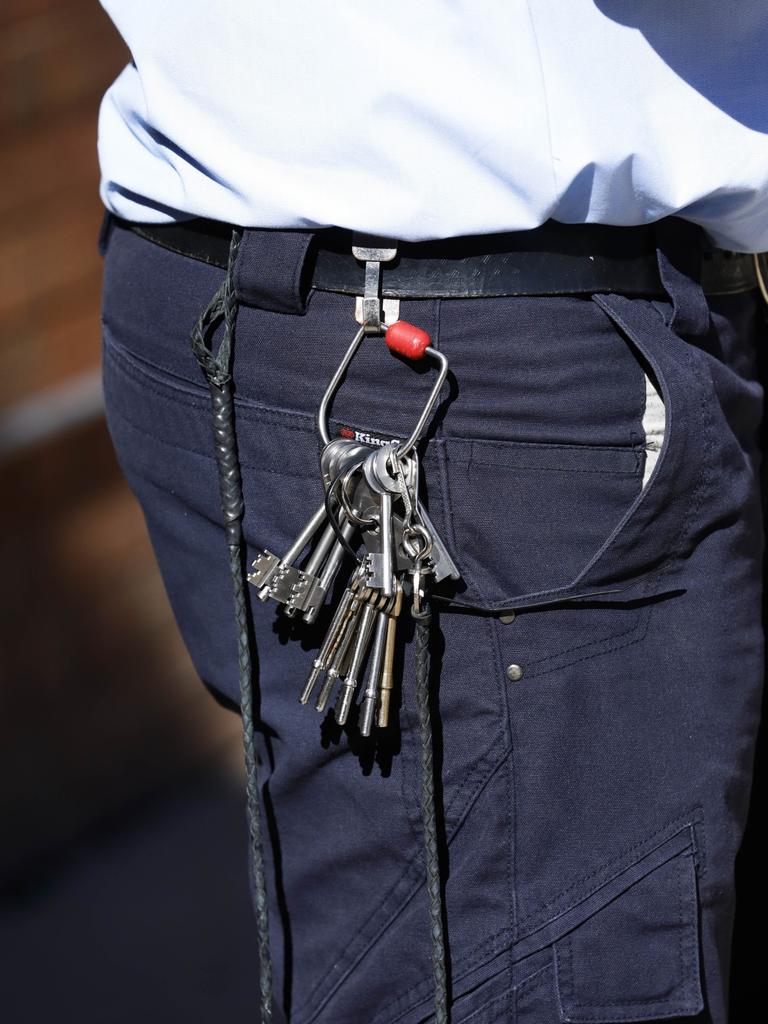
[386, 682]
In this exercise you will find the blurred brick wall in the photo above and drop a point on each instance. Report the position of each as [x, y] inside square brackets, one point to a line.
[56, 58]
[98, 701]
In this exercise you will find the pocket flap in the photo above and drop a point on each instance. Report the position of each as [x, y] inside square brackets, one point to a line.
[637, 959]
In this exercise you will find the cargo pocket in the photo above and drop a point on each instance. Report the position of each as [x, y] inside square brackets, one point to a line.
[637, 959]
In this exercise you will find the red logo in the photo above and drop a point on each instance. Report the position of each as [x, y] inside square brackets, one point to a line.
[347, 432]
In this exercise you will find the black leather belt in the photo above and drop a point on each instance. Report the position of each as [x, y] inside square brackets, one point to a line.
[554, 259]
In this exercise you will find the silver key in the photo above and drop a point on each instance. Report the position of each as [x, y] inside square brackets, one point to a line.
[342, 646]
[338, 456]
[308, 591]
[321, 662]
[273, 574]
[371, 691]
[443, 566]
[364, 626]
[381, 563]
[328, 574]
[402, 480]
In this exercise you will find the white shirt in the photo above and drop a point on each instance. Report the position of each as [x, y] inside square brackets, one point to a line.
[424, 119]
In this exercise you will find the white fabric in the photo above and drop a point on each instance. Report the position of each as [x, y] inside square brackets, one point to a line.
[654, 425]
[431, 118]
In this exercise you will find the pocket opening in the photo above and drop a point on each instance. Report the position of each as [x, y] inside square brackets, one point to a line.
[654, 424]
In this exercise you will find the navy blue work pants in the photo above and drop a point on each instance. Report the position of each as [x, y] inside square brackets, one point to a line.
[593, 806]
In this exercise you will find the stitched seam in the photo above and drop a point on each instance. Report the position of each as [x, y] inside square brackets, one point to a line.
[591, 643]
[554, 469]
[412, 996]
[660, 1001]
[700, 846]
[358, 955]
[512, 786]
[510, 447]
[487, 755]
[493, 944]
[692, 930]
[477, 774]
[450, 520]
[682, 820]
[117, 414]
[140, 371]
[611, 647]
[689, 362]
[367, 923]
[503, 998]
[674, 1008]
[533, 981]
[250, 410]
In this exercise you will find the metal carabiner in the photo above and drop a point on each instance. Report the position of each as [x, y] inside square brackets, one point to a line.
[407, 340]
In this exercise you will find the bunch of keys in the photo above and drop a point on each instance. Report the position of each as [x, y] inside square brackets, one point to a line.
[373, 492]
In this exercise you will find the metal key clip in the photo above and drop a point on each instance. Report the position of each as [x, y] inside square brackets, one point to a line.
[409, 341]
[371, 311]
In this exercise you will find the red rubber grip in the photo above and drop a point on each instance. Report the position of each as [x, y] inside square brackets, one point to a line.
[411, 342]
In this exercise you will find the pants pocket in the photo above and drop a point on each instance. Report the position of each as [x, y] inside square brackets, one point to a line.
[526, 518]
[536, 525]
[637, 959]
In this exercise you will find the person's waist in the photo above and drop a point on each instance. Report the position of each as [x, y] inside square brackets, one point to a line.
[553, 259]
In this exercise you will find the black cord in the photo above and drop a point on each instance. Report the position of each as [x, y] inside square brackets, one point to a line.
[217, 369]
[335, 523]
[423, 620]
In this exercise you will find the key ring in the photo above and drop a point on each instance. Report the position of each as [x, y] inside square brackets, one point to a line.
[407, 340]
[346, 503]
[418, 552]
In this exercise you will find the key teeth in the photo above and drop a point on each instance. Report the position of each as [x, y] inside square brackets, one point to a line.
[264, 569]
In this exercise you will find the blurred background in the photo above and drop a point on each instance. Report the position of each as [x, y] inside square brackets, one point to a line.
[123, 891]
[123, 885]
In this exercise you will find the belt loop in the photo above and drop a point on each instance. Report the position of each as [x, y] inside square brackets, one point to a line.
[679, 252]
[270, 272]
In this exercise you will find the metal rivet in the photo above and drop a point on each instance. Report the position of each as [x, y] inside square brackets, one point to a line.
[514, 672]
[507, 617]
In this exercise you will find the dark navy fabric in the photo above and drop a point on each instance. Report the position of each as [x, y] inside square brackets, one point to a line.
[594, 807]
[272, 271]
